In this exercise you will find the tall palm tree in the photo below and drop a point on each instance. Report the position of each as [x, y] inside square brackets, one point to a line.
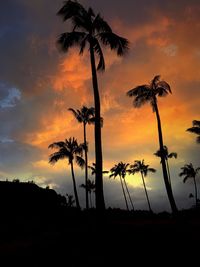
[167, 156]
[195, 129]
[85, 116]
[143, 169]
[188, 171]
[91, 30]
[148, 93]
[70, 150]
[120, 170]
[91, 188]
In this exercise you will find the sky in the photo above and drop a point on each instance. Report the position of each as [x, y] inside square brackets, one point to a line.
[38, 84]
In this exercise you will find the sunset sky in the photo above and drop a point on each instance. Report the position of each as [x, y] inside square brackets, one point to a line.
[38, 84]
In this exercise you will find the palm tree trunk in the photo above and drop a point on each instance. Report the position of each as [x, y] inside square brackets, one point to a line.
[169, 177]
[145, 189]
[129, 195]
[100, 203]
[86, 167]
[164, 168]
[74, 186]
[195, 189]
[124, 193]
[91, 200]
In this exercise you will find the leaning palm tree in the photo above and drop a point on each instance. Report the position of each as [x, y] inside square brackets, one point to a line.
[188, 171]
[85, 116]
[120, 170]
[70, 150]
[148, 93]
[143, 169]
[91, 30]
[91, 188]
[195, 129]
[167, 156]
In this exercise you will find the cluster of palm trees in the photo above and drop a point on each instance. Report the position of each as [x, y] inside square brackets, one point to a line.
[91, 31]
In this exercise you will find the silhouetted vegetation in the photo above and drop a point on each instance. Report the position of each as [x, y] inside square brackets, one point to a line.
[189, 172]
[148, 93]
[85, 116]
[91, 30]
[195, 129]
[70, 150]
[143, 169]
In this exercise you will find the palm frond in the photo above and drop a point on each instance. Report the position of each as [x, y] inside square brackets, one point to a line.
[120, 44]
[69, 39]
[173, 155]
[194, 129]
[100, 25]
[98, 50]
[196, 123]
[71, 9]
[53, 158]
[76, 114]
[83, 44]
[58, 145]
[152, 170]
[80, 161]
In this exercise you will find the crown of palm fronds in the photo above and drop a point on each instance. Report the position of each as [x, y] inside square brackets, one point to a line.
[147, 93]
[166, 153]
[195, 129]
[93, 169]
[119, 169]
[88, 29]
[188, 171]
[139, 166]
[69, 149]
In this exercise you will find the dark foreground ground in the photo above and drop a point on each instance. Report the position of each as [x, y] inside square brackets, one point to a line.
[65, 237]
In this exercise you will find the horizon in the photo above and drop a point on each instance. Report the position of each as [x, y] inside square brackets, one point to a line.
[38, 85]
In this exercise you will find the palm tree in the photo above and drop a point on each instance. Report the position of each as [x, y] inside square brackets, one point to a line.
[70, 150]
[90, 30]
[167, 156]
[188, 171]
[195, 129]
[91, 188]
[139, 166]
[120, 170]
[93, 169]
[148, 93]
[85, 116]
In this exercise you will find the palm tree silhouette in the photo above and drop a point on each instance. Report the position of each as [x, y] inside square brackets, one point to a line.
[85, 116]
[148, 93]
[139, 166]
[91, 188]
[93, 169]
[90, 29]
[120, 170]
[70, 149]
[188, 171]
[167, 156]
[195, 129]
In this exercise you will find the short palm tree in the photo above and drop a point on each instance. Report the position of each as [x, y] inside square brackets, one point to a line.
[120, 170]
[188, 171]
[143, 169]
[91, 189]
[93, 169]
[195, 129]
[85, 116]
[91, 30]
[70, 150]
[167, 156]
[148, 93]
